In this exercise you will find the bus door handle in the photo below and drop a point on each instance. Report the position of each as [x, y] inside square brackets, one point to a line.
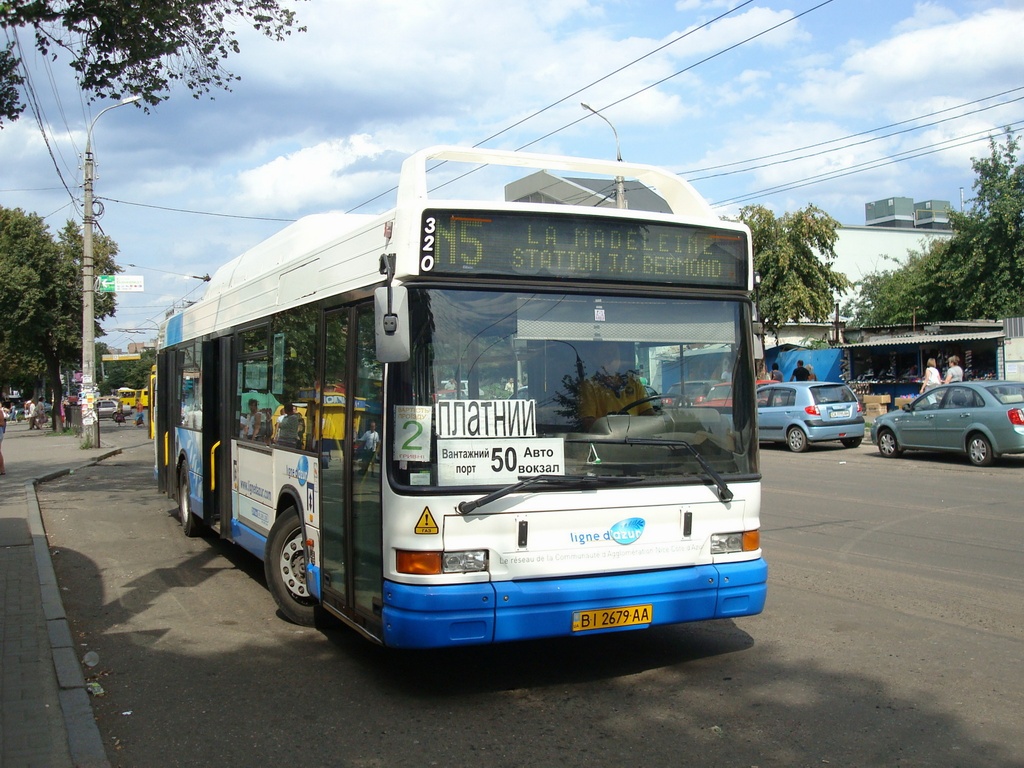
[213, 465]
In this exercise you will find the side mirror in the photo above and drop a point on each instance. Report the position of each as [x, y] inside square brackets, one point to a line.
[391, 324]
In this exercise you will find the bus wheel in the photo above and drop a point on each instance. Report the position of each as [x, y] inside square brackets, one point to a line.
[285, 567]
[190, 524]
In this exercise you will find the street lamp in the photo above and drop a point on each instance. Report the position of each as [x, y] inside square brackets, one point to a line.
[620, 182]
[89, 278]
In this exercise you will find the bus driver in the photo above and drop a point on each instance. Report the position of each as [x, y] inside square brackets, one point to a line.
[610, 388]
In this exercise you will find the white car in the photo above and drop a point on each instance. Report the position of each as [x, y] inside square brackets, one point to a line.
[105, 408]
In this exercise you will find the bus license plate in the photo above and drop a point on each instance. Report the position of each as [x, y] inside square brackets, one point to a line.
[608, 618]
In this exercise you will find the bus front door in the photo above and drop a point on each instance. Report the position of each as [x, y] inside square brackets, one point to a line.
[164, 436]
[218, 431]
[350, 478]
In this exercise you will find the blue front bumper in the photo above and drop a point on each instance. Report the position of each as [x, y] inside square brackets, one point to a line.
[473, 614]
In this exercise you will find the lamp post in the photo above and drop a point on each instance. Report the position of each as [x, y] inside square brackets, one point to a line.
[88, 282]
[620, 182]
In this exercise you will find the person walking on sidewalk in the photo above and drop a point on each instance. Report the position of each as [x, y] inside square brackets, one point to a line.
[40, 414]
[3, 428]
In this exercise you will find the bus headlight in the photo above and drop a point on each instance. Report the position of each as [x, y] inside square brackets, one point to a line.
[432, 563]
[727, 543]
[465, 562]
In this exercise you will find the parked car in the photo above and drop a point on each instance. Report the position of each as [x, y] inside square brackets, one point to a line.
[720, 395]
[799, 413]
[105, 408]
[687, 392]
[982, 419]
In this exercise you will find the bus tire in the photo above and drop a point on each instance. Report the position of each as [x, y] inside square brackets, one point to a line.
[190, 524]
[285, 568]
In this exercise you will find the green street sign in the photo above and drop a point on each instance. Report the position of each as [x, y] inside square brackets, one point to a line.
[120, 284]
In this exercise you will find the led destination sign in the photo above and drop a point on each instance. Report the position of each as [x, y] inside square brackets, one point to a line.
[503, 244]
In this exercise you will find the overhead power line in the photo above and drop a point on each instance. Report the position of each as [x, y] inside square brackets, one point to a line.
[648, 87]
[917, 127]
[565, 98]
[197, 213]
[868, 165]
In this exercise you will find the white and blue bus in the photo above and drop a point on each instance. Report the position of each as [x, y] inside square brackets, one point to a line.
[494, 503]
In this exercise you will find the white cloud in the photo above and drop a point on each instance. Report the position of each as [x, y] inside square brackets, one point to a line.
[951, 58]
[312, 175]
[322, 120]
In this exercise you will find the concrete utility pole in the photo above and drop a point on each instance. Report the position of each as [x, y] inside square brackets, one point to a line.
[87, 403]
[620, 182]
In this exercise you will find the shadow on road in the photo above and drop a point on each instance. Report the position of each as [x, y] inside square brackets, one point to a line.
[198, 670]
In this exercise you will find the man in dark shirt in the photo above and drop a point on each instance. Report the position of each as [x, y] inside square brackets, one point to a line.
[800, 373]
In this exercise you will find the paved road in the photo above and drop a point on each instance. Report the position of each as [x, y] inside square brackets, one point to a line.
[893, 636]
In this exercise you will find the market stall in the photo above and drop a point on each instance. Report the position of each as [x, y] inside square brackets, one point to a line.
[893, 364]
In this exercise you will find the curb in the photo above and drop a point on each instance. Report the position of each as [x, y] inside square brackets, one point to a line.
[84, 741]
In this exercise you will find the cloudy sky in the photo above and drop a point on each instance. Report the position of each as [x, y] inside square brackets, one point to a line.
[835, 103]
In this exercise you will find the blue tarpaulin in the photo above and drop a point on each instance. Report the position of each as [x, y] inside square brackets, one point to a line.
[824, 361]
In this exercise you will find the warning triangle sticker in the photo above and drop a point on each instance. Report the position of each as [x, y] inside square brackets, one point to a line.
[426, 524]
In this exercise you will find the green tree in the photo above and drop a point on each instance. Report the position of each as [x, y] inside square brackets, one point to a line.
[129, 373]
[794, 254]
[20, 371]
[977, 273]
[142, 47]
[984, 264]
[41, 295]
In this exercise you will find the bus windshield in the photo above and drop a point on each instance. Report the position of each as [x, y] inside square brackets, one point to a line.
[515, 384]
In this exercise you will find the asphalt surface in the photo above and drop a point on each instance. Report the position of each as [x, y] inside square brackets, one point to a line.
[891, 638]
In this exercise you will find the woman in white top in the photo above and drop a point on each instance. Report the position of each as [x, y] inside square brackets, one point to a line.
[954, 372]
[931, 377]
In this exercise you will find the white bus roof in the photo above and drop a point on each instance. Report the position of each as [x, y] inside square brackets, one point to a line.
[297, 240]
[328, 253]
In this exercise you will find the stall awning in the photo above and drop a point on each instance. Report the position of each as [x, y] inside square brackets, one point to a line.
[902, 341]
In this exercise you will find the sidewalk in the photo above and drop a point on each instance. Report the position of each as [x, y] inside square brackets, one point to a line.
[45, 714]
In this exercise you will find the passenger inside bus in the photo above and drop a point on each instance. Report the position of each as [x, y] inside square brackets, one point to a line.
[252, 422]
[611, 387]
[290, 428]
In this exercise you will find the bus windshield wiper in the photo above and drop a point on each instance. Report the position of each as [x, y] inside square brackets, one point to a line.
[723, 489]
[465, 507]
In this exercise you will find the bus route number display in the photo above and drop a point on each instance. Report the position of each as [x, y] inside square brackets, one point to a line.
[556, 245]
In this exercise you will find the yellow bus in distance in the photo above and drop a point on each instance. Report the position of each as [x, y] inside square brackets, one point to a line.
[128, 397]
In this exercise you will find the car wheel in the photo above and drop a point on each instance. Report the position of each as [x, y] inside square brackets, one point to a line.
[190, 524]
[979, 450]
[796, 440]
[285, 567]
[851, 442]
[888, 445]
